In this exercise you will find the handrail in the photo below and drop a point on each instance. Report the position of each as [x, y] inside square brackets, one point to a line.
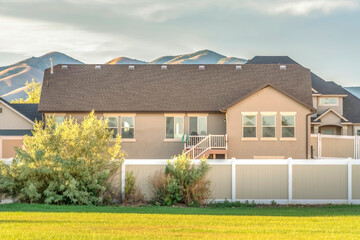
[207, 143]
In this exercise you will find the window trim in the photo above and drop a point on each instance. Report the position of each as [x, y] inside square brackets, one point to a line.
[243, 138]
[262, 136]
[119, 122]
[334, 104]
[197, 124]
[281, 126]
[174, 116]
[121, 127]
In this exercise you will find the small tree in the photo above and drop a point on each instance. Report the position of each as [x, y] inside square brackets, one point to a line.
[66, 163]
[182, 182]
[33, 91]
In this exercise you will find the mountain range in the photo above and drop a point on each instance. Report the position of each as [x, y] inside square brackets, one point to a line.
[14, 77]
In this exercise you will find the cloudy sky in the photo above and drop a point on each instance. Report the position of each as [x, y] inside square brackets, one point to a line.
[323, 35]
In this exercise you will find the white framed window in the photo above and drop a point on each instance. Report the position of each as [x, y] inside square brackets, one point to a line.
[174, 127]
[249, 122]
[268, 125]
[358, 132]
[198, 125]
[328, 101]
[288, 125]
[113, 125]
[127, 127]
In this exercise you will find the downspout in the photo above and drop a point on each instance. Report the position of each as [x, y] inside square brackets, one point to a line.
[307, 132]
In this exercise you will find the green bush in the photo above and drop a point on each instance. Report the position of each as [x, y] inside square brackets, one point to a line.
[182, 182]
[132, 192]
[66, 163]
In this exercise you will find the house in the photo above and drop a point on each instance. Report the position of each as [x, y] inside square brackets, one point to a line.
[222, 111]
[16, 120]
[337, 110]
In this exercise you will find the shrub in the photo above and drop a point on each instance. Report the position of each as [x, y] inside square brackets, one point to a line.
[66, 163]
[132, 192]
[181, 182]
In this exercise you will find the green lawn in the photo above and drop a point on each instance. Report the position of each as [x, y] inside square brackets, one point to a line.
[22, 221]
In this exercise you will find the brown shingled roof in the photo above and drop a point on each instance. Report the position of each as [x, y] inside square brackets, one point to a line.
[180, 88]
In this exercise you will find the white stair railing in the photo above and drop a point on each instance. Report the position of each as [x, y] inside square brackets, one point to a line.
[206, 143]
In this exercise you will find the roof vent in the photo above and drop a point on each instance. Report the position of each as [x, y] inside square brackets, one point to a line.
[131, 67]
[64, 67]
[201, 67]
[163, 67]
[238, 67]
[282, 67]
[97, 67]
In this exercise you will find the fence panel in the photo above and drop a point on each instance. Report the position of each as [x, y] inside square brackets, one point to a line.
[337, 147]
[261, 182]
[317, 182]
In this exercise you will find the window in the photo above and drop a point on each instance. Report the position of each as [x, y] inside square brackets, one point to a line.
[358, 132]
[1, 110]
[174, 127]
[127, 127]
[330, 101]
[113, 125]
[268, 122]
[249, 125]
[328, 131]
[59, 119]
[288, 125]
[198, 126]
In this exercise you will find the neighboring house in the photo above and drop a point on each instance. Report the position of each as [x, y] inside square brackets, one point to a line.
[337, 110]
[242, 111]
[354, 90]
[16, 120]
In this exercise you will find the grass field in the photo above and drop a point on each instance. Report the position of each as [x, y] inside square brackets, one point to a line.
[21, 221]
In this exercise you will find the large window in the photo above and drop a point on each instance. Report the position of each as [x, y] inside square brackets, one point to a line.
[249, 125]
[113, 125]
[268, 125]
[288, 125]
[127, 127]
[329, 101]
[174, 127]
[198, 125]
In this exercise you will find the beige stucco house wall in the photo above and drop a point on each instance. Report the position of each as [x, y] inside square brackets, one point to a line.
[150, 129]
[11, 120]
[267, 100]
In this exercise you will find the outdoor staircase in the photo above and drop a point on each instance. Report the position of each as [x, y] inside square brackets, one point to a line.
[204, 146]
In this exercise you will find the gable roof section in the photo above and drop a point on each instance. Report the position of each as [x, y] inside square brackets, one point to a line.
[351, 104]
[333, 111]
[256, 90]
[24, 112]
[180, 88]
[29, 110]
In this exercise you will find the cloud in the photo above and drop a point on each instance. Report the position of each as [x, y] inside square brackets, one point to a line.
[301, 8]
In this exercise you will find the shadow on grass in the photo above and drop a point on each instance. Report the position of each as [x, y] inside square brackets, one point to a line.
[306, 211]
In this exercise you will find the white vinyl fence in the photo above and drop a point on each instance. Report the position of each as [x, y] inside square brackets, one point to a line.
[335, 146]
[335, 181]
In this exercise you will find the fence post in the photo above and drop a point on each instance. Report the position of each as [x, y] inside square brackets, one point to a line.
[349, 180]
[319, 146]
[233, 180]
[123, 181]
[290, 179]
